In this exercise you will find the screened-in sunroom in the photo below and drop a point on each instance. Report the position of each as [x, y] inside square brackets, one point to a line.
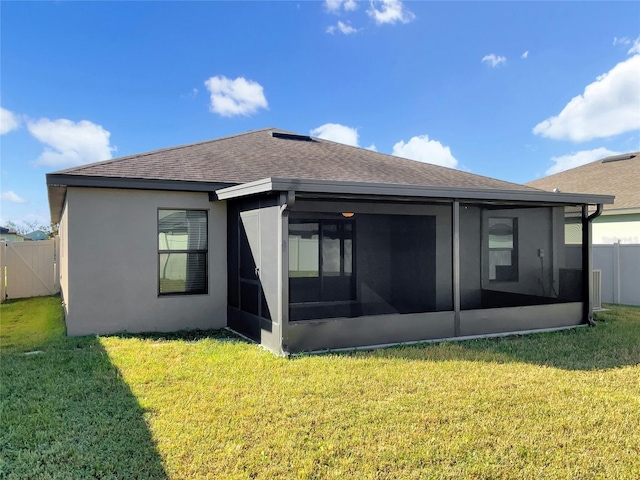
[318, 265]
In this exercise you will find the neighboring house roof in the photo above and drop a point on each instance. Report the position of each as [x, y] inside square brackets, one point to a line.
[617, 175]
[256, 155]
[9, 235]
[8, 231]
[36, 235]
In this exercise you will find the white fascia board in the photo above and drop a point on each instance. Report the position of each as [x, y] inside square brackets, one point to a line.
[267, 185]
[244, 189]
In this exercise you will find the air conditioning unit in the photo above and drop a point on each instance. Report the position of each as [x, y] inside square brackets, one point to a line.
[596, 293]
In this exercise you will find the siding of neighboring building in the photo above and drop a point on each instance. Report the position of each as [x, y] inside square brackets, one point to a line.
[11, 237]
[110, 281]
[609, 229]
[618, 175]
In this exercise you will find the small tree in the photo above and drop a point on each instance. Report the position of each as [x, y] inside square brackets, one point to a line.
[26, 227]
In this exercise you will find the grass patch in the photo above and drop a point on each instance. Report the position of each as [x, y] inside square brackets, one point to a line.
[65, 413]
[558, 405]
[28, 325]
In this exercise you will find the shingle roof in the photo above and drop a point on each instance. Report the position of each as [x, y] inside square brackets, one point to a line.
[611, 176]
[258, 154]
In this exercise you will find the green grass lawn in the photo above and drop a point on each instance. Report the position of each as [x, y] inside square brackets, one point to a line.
[555, 405]
[30, 324]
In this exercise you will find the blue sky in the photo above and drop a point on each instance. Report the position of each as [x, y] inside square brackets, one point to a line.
[512, 90]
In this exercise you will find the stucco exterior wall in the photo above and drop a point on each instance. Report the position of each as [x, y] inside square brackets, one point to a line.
[112, 263]
[63, 257]
[607, 229]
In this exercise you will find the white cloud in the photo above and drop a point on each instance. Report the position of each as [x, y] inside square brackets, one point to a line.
[235, 97]
[350, 5]
[621, 41]
[342, 28]
[337, 133]
[424, 150]
[494, 60]
[390, 11]
[524, 55]
[8, 121]
[11, 196]
[69, 143]
[573, 160]
[635, 49]
[334, 6]
[609, 106]
[372, 147]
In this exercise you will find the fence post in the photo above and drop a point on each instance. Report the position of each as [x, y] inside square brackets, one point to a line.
[3, 271]
[56, 263]
[616, 272]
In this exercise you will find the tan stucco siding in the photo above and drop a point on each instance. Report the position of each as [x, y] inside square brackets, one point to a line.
[113, 263]
[63, 257]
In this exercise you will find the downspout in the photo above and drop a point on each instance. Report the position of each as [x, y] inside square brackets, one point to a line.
[595, 214]
[286, 202]
[587, 259]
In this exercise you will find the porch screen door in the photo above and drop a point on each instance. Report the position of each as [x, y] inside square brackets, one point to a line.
[251, 294]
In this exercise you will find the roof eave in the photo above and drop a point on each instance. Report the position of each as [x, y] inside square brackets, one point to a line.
[267, 185]
[57, 195]
[57, 184]
[61, 179]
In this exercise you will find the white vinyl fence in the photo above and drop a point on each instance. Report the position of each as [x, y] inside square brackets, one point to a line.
[620, 267]
[29, 269]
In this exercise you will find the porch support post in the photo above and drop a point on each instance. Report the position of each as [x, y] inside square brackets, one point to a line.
[283, 267]
[587, 276]
[456, 267]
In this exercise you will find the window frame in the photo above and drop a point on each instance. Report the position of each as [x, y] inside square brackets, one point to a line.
[205, 251]
[514, 251]
[321, 273]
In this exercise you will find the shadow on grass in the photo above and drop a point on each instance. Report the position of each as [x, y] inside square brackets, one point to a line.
[67, 413]
[614, 342]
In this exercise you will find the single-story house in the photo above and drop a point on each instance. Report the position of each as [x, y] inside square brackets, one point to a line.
[303, 244]
[36, 235]
[617, 175]
[615, 233]
[9, 235]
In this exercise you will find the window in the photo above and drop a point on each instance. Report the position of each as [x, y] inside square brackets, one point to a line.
[182, 251]
[503, 249]
[321, 261]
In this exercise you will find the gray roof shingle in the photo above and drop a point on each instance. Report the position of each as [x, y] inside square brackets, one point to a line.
[258, 154]
[619, 177]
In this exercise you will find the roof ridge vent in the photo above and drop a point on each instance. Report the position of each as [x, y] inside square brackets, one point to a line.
[619, 158]
[291, 136]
